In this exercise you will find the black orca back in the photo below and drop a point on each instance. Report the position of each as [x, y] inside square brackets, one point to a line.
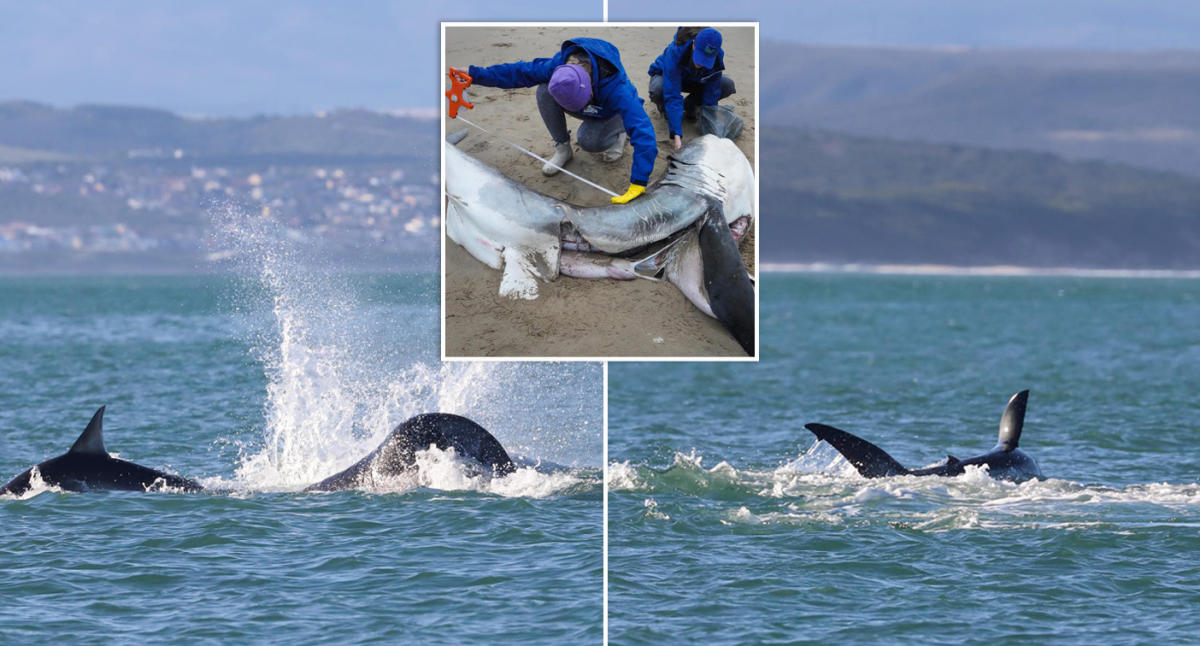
[397, 453]
[88, 466]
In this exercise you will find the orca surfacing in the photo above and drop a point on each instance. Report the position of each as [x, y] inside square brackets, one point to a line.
[1005, 461]
[87, 466]
[397, 453]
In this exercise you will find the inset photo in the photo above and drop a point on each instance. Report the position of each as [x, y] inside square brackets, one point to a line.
[600, 191]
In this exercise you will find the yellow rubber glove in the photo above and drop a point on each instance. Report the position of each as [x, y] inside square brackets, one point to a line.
[634, 191]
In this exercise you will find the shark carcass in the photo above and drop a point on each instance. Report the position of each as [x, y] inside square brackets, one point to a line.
[684, 229]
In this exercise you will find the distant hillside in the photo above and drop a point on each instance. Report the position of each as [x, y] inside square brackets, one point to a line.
[103, 188]
[30, 129]
[89, 186]
[839, 198]
[1139, 108]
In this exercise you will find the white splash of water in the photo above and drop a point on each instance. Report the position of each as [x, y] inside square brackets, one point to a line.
[819, 486]
[623, 477]
[339, 380]
[651, 510]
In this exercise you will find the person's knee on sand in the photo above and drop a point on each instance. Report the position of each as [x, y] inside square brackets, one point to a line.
[692, 90]
[603, 136]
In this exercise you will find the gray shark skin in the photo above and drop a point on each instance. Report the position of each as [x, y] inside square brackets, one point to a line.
[660, 235]
[1005, 461]
[87, 466]
[397, 453]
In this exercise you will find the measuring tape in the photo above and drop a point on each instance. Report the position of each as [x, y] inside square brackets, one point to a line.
[546, 161]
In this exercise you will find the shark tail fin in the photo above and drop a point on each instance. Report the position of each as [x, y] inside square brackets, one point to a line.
[870, 460]
[92, 438]
[1012, 421]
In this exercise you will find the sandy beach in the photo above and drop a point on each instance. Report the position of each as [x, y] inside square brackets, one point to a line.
[574, 317]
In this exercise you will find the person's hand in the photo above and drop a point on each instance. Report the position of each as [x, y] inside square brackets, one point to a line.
[461, 75]
[634, 191]
[678, 142]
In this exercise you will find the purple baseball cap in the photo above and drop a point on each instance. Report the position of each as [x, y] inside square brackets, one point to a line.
[705, 47]
[571, 87]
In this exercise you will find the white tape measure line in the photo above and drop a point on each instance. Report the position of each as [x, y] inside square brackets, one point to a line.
[545, 161]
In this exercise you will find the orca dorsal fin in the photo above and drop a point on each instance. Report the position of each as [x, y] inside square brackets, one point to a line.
[91, 441]
[1012, 421]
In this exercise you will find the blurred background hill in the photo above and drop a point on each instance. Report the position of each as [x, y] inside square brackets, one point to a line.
[1138, 108]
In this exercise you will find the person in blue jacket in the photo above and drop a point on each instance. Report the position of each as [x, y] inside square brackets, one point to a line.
[586, 80]
[692, 63]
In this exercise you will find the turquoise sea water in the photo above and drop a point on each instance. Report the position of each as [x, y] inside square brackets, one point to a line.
[259, 386]
[729, 524]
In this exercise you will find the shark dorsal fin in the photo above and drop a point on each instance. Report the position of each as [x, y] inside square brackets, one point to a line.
[91, 441]
[1012, 421]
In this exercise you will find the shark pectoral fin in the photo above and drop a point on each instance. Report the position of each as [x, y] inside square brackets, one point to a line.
[91, 441]
[730, 292]
[1012, 421]
[870, 460]
[522, 269]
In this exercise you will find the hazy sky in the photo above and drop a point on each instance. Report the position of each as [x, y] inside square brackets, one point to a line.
[1075, 24]
[240, 57]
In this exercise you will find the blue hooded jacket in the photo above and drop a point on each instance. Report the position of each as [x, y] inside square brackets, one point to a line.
[675, 65]
[612, 95]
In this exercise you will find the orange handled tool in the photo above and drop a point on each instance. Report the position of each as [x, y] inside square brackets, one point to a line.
[459, 81]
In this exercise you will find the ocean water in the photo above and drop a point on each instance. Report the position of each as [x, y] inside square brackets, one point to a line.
[259, 385]
[730, 524]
